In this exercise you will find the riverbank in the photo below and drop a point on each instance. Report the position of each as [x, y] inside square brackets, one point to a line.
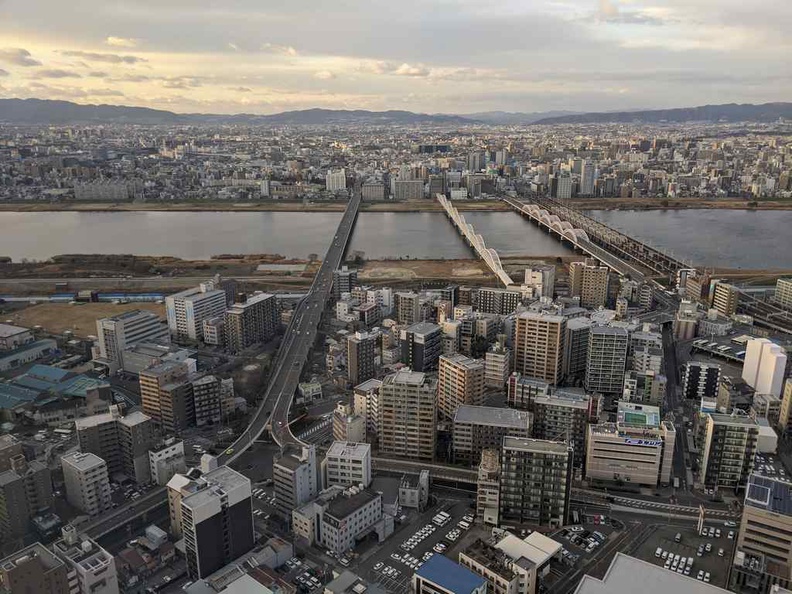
[678, 204]
[266, 206]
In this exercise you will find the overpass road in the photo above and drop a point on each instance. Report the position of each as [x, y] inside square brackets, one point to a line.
[293, 354]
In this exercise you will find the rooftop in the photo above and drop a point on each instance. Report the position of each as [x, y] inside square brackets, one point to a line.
[406, 376]
[733, 419]
[345, 505]
[624, 571]
[536, 548]
[368, 385]
[535, 445]
[440, 570]
[490, 415]
[638, 415]
[769, 494]
[7, 330]
[348, 449]
[34, 551]
[462, 361]
[423, 328]
[82, 461]
[209, 486]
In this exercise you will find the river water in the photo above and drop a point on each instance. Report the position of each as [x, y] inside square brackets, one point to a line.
[748, 239]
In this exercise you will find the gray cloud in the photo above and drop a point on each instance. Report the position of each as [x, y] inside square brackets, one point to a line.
[56, 73]
[108, 58]
[18, 57]
[4, 72]
[98, 74]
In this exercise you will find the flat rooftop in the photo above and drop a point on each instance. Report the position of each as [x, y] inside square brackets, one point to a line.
[406, 376]
[724, 419]
[536, 548]
[82, 461]
[493, 416]
[7, 330]
[627, 575]
[34, 551]
[348, 449]
[463, 361]
[534, 445]
[207, 487]
[368, 385]
[345, 505]
[423, 328]
[451, 576]
[638, 415]
[769, 494]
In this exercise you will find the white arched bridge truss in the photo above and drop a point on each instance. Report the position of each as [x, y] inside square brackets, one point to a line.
[490, 256]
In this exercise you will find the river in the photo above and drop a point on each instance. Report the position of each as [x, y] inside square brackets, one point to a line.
[747, 239]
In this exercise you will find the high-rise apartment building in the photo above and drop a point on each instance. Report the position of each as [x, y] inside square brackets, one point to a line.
[348, 426]
[348, 464]
[122, 441]
[188, 309]
[728, 450]
[407, 415]
[700, 380]
[644, 387]
[366, 399]
[576, 341]
[521, 391]
[296, 478]
[250, 322]
[564, 416]
[783, 292]
[217, 521]
[498, 301]
[535, 482]
[408, 308]
[87, 482]
[361, 353]
[120, 332]
[421, 345]
[92, 570]
[587, 178]
[497, 366]
[344, 280]
[541, 280]
[34, 569]
[207, 394]
[167, 395]
[476, 428]
[9, 448]
[539, 346]
[335, 181]
[460, 380]
[606, 360]
[25, 490]
[785, 414]
[589, 281]
[765, 366]
[724, 298]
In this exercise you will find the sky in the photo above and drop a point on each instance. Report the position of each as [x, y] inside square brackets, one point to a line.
[432, 56]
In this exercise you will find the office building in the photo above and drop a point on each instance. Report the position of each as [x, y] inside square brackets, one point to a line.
[535, 482]
[187, 311]
[724, 298]
[349, 517]
[539, 346]
[348, 463]
[644, 387]
[165, 460]
[460, 380]
[576, 341]
[511, 564]
[421, 345]
[589, 281]
[498, 301]
[728, 450]
[564, 416]
[785, 414]
[606, 360]
[296, 478]
[561, 186]
[361, 354]
[32, 570]
[541, 280]
[783, 292]
[207, 398]
[218, 503]
[765, 366]
[700, 380]
[497, 366]
[125, 330]
[521, 391]
[587, 178]
[335, 181]
[476, 428]
[167, 395]
[344, 280]
[407, 416]
[25, 491]
[348, 426]
[250, 322]
[637, 449]
[87, 482]
[626, 573]
[440, 575]
[91, 569]
[408, 308]
[763, 557]
[122, 441]
[366, 400]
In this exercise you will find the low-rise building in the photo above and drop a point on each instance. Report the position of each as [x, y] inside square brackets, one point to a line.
[348, 463]
[440, 575]
[166, 459]
[92, 570]
[34, 569]
[349, 517]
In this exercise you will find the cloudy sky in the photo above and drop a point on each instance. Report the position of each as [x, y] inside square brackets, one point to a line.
[451, 56]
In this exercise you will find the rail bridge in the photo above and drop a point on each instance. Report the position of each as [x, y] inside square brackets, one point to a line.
[475, 240]
[628, 249]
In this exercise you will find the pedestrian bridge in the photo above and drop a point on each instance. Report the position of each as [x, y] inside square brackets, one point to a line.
[476, 241]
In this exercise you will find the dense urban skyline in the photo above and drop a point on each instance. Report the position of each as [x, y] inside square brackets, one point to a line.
[454, 57]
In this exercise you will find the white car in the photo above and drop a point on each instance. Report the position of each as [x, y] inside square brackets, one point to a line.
[378, 566]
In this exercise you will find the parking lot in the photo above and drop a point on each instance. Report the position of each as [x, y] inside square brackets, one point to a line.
[703, 560]
[373, 567]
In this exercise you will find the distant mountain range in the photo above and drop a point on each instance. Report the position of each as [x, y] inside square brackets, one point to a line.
[41, 111]
[730, 112]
